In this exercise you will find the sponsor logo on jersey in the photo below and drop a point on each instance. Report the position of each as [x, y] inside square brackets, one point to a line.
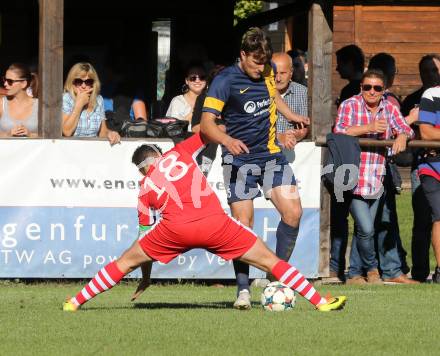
[251, 106]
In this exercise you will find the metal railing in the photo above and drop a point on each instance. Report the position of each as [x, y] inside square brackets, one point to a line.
[369, 142]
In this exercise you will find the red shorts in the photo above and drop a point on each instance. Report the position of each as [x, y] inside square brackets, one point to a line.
[219, 234]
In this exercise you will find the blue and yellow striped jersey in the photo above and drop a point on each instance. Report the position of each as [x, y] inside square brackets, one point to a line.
[247, 107]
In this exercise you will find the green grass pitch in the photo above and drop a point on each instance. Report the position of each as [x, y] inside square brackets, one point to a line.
[199, 320]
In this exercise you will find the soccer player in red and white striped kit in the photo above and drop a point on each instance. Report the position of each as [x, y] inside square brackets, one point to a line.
[191, 217]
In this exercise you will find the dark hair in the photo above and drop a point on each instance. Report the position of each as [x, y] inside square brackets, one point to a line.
[214, 72]
[299, 72]
[24, 72]
[373, 73]
[143, 152]
[256, 42]
[352, 54]
[296, 52]
[429, 73]
[387, 64]
[195, 68]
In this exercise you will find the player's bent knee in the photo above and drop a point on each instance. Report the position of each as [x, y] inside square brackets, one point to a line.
[291, 213]
[292, 218]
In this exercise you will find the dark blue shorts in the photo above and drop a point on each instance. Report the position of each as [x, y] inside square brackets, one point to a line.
[245, 176]
[431, 188]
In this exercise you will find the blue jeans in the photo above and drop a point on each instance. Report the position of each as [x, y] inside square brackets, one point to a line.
[421, 231]
[362, 254]
[339, 232]
[388, 235]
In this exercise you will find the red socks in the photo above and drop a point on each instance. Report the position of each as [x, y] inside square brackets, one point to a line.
[105, 279]
[110, 275]
[290, 276]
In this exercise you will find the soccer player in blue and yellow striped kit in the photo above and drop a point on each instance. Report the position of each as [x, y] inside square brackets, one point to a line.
[245, 96]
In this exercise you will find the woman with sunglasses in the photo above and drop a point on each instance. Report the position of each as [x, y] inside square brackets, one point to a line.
[182, 106]
[18, 110]
[83, 107]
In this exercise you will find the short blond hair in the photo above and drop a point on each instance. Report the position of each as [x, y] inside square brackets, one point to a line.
[79, 70]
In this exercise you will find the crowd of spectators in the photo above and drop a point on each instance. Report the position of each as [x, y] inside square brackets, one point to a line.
[367, 108]
[377, 254]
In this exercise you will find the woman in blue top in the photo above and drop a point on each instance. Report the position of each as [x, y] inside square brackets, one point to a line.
[83, 107]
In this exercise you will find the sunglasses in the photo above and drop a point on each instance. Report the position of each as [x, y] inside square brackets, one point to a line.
[368, 87]
[78, 82]
[193, 78]
[12, 81]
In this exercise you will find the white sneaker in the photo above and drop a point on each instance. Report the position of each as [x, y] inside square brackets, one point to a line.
[243, 301]
[260, 282]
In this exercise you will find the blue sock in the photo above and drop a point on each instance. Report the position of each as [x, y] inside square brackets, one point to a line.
[286, 239]
[242, 275]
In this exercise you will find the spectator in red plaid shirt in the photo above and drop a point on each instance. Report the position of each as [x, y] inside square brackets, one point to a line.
[369, 115]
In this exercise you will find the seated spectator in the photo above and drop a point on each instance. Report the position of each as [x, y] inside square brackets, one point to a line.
[198, 106]
[32, 90]
[121, 104]
[123, 89]
[18, 110]
[83, 107]
[182, 106]
[208, 154]
[139, 109]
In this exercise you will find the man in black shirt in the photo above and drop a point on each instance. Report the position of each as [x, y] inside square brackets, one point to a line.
[350, 65]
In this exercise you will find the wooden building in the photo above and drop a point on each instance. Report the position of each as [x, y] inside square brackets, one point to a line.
[48, 30]
[405, 29]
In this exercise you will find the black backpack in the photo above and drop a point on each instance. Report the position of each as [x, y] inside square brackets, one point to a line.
[121, 113]
[167, 127]
[136, 128]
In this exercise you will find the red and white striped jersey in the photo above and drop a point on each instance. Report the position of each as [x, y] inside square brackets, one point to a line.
[175, 187]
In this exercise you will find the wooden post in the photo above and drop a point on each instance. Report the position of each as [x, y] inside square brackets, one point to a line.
[320, 104]
[50, 68]
[357, 23]
[288, 40]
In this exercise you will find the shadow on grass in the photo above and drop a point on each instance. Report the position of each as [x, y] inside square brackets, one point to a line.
[215, 305]
[153, 306]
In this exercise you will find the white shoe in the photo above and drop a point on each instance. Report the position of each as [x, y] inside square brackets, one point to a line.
[243, 301]
[260, 282]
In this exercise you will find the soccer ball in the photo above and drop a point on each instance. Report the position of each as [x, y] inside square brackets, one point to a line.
[277, 297]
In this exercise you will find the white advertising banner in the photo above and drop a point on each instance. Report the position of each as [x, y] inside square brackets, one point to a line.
[69, 206]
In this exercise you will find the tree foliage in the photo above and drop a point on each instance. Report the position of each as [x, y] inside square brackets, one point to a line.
[245, 8]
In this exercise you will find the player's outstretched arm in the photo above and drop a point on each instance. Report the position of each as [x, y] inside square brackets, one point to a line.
[146, 280]
[284, 109]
